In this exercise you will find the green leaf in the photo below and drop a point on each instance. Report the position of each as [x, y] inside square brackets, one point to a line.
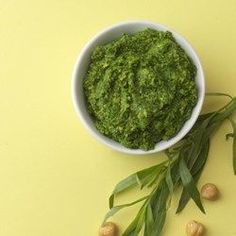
[146, 177]
[158, 204]
[149, 221]
[159, 198]
[196, 173]
[203, 117]
[115, 209]
[159, 223]
[169, 180]
[225, 112]
[202, 158]
[156, 177]
[136, 225]
[185, 197]
[219, 94]
[127, 183]
[200, 138]
[189, 184]
[141, 220]
[140, 178]
[130, 231]
[233, 135]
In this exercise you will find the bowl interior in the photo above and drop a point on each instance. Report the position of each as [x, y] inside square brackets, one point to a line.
[81, 67]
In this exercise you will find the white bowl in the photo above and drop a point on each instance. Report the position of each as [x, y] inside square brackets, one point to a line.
[81, 67]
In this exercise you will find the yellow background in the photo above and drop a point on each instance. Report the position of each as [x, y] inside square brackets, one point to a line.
[54, 177]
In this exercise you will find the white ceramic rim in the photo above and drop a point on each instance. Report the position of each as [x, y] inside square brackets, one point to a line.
[163, 144]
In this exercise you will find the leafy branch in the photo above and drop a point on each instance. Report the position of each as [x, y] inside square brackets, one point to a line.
[186, 161]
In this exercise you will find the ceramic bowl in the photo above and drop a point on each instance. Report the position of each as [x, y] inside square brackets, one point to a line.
[81, 67]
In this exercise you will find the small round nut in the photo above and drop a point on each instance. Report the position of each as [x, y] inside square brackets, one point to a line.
[194, 228]
[108, 229]
[210, 192]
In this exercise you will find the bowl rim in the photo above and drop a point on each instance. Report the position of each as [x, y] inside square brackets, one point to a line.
[113, 144]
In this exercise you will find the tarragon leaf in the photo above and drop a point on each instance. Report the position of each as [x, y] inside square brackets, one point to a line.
[115, 209]
[170, 184]
[158, 204]
[219, 94]
[225, 112]
[149, 221]
[169, 180]
[140, 178]
[196, 173]
[148, 176]
[201, 160]
[200, 138]
[185, 197]
[159, 223]
[127, 183]
[136, 225]
[233, 135]
[189, 184]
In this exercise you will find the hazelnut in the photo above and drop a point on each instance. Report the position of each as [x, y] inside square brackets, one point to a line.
[209, 192]
[108, 229]
[194, 228]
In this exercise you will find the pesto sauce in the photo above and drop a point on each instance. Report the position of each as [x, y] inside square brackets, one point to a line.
[140, 88]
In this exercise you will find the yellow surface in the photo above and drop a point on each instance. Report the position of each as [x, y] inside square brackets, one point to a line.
[54, 177]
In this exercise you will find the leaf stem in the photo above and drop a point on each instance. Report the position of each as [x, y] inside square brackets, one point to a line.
[219, 94]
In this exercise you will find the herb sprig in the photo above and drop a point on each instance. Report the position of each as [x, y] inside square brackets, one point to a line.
[186, 161]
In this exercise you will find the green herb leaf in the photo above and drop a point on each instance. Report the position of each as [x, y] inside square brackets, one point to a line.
[199, 139]
[159, 223]
[115, 209]
[219, 94]
[185, 197]
[158, 203]
[189, 184]
[136, 225]
[201, 160]
[149, 221]
[158, 176]
[225, 112]
[233, 135]
[196, 173]
[140, 178]
[169, 180]
[127, 183]
[141, 220]
[147, 176]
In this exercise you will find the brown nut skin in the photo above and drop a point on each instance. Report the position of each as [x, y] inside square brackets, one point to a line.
[108, 229]
[194, 228]
[210, 192]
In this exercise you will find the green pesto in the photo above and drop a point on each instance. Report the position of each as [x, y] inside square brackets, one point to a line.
[140, 88]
